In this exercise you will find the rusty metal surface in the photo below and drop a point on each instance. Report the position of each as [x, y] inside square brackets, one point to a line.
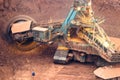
[78, 44]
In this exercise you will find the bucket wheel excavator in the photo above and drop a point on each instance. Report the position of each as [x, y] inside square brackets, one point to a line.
[79, 37]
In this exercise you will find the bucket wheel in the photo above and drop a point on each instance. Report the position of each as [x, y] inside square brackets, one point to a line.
[24, 44]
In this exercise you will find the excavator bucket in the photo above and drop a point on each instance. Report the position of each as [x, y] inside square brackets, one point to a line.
[108, 72]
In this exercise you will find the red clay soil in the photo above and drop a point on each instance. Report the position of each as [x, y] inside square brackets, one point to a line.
[18, 65]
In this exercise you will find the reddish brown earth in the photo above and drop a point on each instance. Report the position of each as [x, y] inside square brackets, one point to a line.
[18, 65]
